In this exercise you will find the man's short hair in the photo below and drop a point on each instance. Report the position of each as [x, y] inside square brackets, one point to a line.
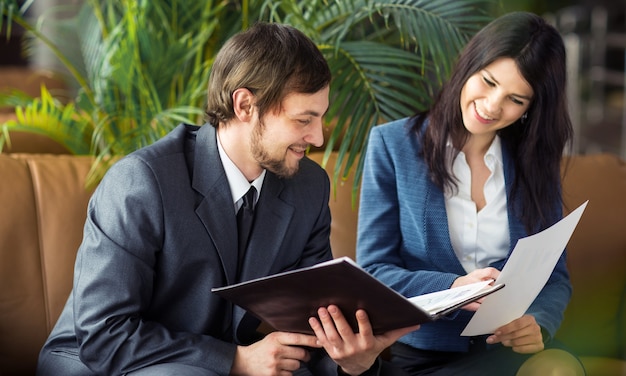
[271, 60]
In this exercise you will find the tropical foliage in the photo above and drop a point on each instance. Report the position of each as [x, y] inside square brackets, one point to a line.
[144, 65]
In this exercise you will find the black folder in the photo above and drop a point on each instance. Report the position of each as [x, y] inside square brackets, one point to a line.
[286, 300]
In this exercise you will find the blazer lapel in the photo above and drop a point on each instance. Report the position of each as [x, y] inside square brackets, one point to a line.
[516, 228]
[272, 218]
[438, 244]
[215, 210]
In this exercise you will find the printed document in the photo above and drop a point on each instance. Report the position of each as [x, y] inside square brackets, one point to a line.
[525, 273]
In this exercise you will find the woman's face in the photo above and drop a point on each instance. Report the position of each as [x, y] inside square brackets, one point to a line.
[494, 97]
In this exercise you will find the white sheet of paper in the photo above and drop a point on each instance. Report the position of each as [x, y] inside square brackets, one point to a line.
[525, 273]
[437, 300]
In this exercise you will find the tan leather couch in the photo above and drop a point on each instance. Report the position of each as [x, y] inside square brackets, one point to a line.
[44, 208]
[43, 212]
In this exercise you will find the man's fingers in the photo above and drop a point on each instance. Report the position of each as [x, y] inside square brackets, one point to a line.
[340, 322]
[365, 327]
[328, 325]
[295, 339]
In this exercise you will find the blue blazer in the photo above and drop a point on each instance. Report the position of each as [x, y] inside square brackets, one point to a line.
[160, 233]
[403, 236]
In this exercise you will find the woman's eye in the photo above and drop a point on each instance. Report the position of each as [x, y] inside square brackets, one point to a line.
[517, 101]
[488, 82]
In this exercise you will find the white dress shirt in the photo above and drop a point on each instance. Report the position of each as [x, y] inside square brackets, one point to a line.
[238, 183]
[479, 237]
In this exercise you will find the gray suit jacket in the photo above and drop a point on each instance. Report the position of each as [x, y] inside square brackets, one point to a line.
[160, 233]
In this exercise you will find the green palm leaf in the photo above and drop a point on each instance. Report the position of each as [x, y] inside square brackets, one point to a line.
[388, 58]
[47, 116]
[143, 66]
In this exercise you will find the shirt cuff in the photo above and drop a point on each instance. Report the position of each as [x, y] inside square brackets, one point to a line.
[374, 370]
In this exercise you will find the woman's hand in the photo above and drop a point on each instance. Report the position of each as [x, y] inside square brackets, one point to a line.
[475, 276]
[522, 335]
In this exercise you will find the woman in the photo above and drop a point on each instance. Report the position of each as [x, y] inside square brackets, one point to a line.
[447, 193]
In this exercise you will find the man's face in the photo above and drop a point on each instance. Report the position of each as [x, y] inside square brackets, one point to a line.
[281, 137]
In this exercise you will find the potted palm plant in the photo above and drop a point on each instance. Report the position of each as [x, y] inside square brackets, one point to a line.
[143, 66]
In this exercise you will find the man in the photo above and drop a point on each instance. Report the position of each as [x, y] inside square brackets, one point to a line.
[162, 231]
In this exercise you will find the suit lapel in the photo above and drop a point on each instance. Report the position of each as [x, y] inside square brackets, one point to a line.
[272, 218]
[215, 210]
[437, 233]
[516, 228]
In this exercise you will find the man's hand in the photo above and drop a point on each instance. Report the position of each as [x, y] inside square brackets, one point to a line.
[278, 354]
[522, 335]
[355, 353]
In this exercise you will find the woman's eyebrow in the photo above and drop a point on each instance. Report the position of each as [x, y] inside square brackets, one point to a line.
[492, 78]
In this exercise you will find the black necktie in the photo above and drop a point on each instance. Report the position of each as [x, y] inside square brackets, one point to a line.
[245, 217]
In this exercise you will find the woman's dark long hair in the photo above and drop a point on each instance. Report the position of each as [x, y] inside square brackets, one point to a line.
[536, 144]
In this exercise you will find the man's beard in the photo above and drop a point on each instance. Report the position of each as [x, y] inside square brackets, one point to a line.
[260, 154]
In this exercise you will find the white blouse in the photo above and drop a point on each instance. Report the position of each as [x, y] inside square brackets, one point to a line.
[479, 238]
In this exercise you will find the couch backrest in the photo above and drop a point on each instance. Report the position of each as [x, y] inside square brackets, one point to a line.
[44, 209]
[595, 320]
[343, 207]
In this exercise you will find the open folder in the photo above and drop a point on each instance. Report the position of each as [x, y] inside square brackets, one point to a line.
[286, 300]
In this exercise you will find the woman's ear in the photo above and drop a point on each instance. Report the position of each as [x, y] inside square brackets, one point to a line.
[243, 104]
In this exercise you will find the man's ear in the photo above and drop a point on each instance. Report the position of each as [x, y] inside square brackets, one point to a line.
[243, 104]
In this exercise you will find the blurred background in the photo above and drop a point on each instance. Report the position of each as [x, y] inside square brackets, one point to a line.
[594, 32]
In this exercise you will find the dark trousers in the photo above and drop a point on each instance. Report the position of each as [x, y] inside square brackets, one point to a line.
[480, 360]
